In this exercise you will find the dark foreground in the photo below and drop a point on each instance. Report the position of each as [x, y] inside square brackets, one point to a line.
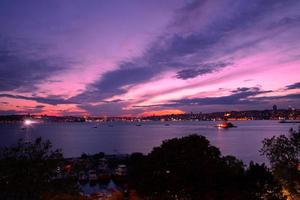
[180, 168]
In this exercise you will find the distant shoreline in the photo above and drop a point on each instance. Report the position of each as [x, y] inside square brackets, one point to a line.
[280, 114]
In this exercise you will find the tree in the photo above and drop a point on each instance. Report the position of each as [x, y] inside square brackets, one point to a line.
[28, 170]
[262, 184]
[191, 168]
[283, 152]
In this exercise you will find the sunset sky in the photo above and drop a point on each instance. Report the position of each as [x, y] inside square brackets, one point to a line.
[141, 57]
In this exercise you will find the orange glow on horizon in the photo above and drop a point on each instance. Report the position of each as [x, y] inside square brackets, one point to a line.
[162, 112]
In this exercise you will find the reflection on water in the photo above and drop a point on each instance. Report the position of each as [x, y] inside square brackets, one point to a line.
[123, 137]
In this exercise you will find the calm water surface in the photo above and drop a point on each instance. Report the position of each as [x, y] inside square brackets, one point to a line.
[124, 137]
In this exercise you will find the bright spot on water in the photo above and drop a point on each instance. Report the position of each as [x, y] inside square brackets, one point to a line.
[28, 122]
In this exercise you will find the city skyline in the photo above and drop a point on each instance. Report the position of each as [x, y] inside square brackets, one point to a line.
[148, 57]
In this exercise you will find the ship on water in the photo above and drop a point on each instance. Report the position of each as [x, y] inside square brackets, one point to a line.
[226, 124]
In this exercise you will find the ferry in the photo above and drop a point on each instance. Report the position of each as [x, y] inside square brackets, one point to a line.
[226, 125]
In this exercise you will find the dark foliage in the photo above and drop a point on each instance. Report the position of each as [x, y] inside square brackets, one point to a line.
[283, 153]
[28, 170]
[191, 168]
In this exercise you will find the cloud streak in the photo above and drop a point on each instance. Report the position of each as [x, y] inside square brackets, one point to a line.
[51, 100]
[200, 70]
[293, 86]
[24, 65]
[240, 97]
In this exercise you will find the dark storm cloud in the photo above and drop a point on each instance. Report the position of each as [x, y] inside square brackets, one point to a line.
[189, 52]
[24, 65]
[51, 100]
[294, 86]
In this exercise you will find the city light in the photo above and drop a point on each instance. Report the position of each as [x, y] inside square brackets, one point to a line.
[28, 122]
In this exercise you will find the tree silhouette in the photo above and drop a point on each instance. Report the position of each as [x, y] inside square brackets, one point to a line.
[28, 170]
[191, 168]
[283, 152]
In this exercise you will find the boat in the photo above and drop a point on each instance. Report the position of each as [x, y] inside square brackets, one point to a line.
[226, 125]
[167, 124]
[138, 125]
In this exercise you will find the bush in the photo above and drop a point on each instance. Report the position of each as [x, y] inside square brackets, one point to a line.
[28, 170]
[283, 152]
[191, 168]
